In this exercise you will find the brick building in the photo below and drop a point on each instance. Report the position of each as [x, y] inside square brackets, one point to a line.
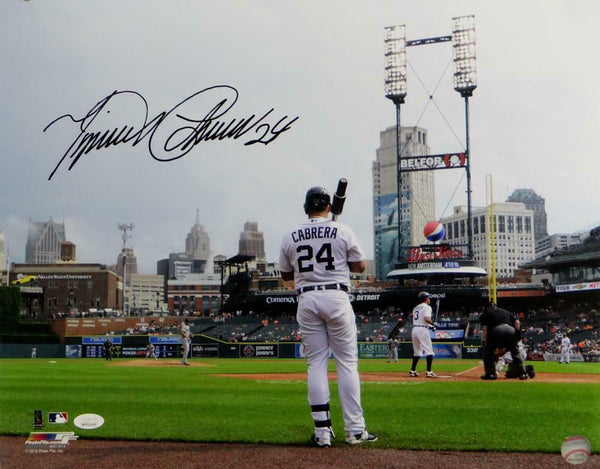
[196, 294]
[70, 288]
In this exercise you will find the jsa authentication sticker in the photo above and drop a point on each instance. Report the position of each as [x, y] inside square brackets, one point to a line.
[88, 421]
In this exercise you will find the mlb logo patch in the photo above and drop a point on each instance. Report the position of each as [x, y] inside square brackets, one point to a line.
[58, 417]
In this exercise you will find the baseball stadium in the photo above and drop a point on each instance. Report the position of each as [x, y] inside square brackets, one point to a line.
[227, 387]
[241, 402]
[469, 338]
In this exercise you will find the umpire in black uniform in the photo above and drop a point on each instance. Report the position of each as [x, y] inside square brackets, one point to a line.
[500, 329]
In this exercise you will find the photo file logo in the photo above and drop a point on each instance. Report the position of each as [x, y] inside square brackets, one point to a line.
[46, 442]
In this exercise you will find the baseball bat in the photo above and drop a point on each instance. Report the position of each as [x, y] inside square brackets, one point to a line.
[339, 198]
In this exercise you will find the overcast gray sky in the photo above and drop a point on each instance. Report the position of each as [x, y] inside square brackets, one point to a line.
[534, 117]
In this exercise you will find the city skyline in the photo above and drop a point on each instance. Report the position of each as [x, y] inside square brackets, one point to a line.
[534, 114]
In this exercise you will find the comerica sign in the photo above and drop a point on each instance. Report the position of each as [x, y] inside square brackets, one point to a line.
[280, 299]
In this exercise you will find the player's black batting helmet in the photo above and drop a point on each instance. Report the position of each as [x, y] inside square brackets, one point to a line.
[317, 199]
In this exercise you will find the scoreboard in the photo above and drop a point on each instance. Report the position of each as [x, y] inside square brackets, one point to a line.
[166, 346]
[93, 347]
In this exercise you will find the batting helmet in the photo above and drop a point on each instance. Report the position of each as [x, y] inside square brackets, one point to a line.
[317, 199]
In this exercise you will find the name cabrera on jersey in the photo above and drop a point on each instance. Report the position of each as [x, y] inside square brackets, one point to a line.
[421, 311]
[318, 252]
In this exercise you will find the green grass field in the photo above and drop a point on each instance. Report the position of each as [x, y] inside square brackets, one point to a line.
[194, 404]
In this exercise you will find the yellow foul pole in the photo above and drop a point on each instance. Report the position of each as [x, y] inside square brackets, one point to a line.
[491, 243]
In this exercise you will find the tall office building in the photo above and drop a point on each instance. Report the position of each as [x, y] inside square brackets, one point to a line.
[252, 241]
[536, 203]
[197, 242]
[513, 235]
[129, 266]
[418, 200]
[146, 293]
[557, 241]
[43, 242]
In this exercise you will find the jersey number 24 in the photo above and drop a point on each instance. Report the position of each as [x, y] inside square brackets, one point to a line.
[305, 259]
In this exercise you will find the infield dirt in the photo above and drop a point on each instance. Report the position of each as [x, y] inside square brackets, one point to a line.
[395, 374]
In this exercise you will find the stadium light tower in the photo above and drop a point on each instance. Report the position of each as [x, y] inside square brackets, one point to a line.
[395, 90]
[465, 82]
[125, 228]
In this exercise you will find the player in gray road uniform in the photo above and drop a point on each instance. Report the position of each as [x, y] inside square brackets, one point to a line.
[186, 340]
[151, 351]
[393, 350]
[318, 256]
[565, 349]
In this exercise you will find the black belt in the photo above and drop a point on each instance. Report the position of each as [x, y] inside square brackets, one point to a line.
[420, 325]
[329, 286]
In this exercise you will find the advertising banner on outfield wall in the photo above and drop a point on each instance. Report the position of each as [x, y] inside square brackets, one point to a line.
[115, 340]
[447, 350]
[251, 350]
[555, 357]
[205, 350]
[372, 350]
[162, 339]
[133, 352]
[73, 351]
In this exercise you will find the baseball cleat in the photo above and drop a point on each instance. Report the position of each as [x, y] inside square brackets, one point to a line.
[431, 374]
[489, 377]
[323, 442]
[530, 371]
[364, 437]
[414, 374]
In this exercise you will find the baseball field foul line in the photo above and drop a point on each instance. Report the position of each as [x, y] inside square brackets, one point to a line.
[469, 370]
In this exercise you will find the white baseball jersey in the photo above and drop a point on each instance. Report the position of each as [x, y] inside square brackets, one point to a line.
[318, 252]
[421, 339]
[420, 312]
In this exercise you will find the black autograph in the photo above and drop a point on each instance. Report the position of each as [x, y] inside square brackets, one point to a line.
[174, 133]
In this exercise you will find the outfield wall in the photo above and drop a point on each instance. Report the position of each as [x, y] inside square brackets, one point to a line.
[169, 346]
[24, 350]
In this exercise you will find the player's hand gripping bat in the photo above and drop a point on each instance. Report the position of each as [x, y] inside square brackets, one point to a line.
[339, 198]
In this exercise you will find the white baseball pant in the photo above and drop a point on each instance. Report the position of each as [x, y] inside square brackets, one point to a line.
[326, 319]
[421, 341]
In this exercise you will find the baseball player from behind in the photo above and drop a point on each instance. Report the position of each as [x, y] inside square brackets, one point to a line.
[318, 255]
[421, 340]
